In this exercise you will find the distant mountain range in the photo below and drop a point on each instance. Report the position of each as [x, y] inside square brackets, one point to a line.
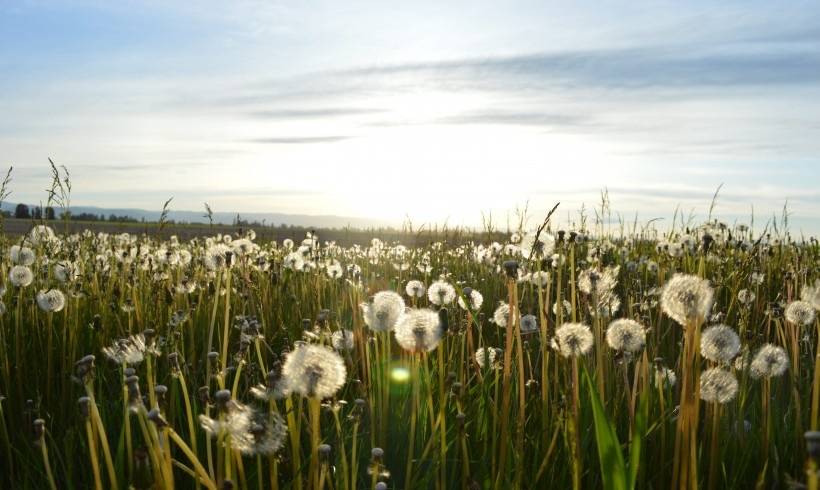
[305, 220]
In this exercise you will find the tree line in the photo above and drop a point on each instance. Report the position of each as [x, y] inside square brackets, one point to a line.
[23, 211]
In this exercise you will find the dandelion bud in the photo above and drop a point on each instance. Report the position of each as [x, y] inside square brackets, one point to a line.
[443, 321]
[85, 409]
[707, 242]
[129, 371]
[324, 453]
[149, 334]
[456, 389]
[380, 486]
[511, 268]
[360, 403]
[84, 366]
[204, 394]
[155, 416]
[213, 357]
[173, 360]
[468, 291]
[461, 418]
[222, 398]
[812, 443]
[160, 391]
[134, 396]
[40, 429]
[376, 454]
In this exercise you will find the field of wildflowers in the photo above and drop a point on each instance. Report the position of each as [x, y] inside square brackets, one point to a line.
[561, 357]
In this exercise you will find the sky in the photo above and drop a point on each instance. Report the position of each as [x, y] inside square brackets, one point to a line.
[428, 110]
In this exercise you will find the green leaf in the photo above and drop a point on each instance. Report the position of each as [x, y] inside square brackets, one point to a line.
[638, 433]
[613, 468]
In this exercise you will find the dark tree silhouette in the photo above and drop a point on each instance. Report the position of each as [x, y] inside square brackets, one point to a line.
[21, 211]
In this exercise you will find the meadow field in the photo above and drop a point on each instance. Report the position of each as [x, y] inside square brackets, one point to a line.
[545, 357]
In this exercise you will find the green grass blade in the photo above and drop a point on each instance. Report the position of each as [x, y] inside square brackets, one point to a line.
[613, 468]
[638, 433]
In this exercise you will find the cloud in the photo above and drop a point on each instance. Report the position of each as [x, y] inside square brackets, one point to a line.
[518, 118]
[314, 113]
[299, 140]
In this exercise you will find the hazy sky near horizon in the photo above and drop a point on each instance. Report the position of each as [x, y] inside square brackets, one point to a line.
[428, 109]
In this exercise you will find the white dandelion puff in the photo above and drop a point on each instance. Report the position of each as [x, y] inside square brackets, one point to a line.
[718, 385]
[800, 313]
[21, 255]
[20, 276]
[488, 357]
[415, 289]
[687, 298]
[811, 294]
[342, 340]
[314, 371]
[529, 324]
[476, 300]
[626, 335]
[573, 339]
[419, 330]
[501, 315]
[441, 293]
[770, 361]
[746, 297]
[665, 377]
[382, 314]
[719, 343]
[130, 350]
[52, 300]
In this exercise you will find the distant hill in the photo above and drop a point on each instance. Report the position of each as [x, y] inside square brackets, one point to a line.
[305, 220]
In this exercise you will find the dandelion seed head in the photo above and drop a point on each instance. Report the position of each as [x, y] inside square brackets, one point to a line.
[501, 315]
[626, 335]
[441, 293]
[129, 351]
[529, 324]
[52, 300]
[66, 271]
[540, 278]
[811, 294]
[21, 276]
[218, 257]
[665, 377]
[770, 361]
[800, 313]
[21, 255]
[687, 298]
[342, 340]
[314, 371]
[415, 289]
[384, 312]
[574, 339]
[718, 385]
[746, 297]
[488, 357]
[419, 330]
[719, 343]
[475, 298]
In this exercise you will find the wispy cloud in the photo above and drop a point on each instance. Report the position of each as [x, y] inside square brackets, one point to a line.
[299, 140]
[321, 113]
